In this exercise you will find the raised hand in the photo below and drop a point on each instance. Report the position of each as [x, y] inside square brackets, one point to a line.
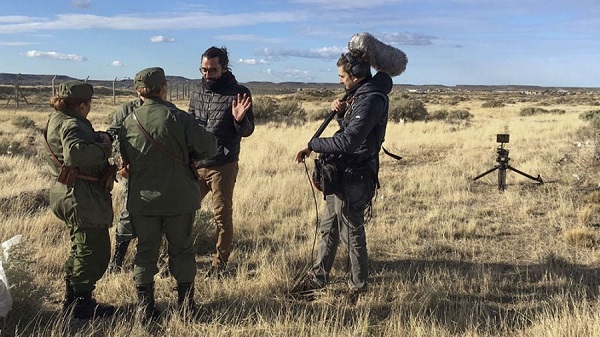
[240, 106]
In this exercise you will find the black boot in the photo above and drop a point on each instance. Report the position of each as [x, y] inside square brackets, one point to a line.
[147, 304]
[116, 265]
[86, 307]
[69, 297]
[185, 300]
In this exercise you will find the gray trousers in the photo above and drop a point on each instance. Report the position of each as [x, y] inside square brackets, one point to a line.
[347, 225]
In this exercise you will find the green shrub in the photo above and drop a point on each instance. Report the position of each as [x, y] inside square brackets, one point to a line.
[531, 110]
[407, 109]
[589, 115]
[291, 108]
[23, 122]
[268, 109]
[492, 104]
[20, 270]
[10, 147]
[320, 114]
[264, 108]
[315, 94]
[595, 122]
[450, 115]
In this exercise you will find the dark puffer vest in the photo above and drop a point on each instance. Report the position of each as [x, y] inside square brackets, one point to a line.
[212, 108]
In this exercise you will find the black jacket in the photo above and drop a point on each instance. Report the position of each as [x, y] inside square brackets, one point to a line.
[212, 109]
[362, 128]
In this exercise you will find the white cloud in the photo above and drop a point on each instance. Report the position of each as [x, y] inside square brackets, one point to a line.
[397, 38]
[16, 44]
[183, 21]
[346, 4]
[252, 61]
[326, 53]
[248, 38]
[117, 63]
[290, 74]
[55, 55]
[160, 39]
[84, 4]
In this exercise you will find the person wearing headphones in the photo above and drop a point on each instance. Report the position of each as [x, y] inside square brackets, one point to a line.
[354, 148]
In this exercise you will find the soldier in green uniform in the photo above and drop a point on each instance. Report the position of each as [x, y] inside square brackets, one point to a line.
[123, 230]
[158, 142]
[77, 158]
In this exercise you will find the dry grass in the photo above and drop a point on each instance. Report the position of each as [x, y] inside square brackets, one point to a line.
[449, 256]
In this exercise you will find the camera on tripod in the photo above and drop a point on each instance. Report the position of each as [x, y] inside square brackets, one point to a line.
[502, 138]
[502, 160]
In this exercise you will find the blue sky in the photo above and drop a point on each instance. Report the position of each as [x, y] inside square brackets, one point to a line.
[449, 42]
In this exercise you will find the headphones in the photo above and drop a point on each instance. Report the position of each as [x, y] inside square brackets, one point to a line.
[358, 68]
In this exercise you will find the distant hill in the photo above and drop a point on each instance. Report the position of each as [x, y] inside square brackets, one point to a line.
[283, 87]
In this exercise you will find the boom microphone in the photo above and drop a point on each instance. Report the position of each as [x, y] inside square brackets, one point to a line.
[383, 57]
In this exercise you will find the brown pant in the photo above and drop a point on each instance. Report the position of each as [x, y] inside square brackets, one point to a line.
[220, 181]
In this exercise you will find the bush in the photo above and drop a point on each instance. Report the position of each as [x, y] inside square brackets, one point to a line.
[407, 109]
[595, 122]
[11, 147]
[267, 109]
[315, 94]
[589, 115]
[492, 104]
[450, 115]
[531, 110]
[264, 107]
[291, 108]
[23, 122]
[20, 270]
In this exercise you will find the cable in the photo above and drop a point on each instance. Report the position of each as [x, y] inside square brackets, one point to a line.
[312, 188]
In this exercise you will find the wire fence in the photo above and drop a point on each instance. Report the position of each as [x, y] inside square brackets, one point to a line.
[27, 91]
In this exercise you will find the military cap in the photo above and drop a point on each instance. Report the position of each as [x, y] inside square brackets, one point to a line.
[76, 90]
[150, 77]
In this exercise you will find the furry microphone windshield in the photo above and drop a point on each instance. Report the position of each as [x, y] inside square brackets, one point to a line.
[383, 57]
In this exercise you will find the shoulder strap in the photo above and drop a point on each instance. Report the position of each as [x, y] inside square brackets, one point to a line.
[386, 99]
[61, 164]
[48, 145]
[395, 156]
[153, 141]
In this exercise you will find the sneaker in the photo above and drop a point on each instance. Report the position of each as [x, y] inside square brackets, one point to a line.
[306, 288]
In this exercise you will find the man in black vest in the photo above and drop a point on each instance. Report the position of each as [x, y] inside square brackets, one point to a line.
[224, 108]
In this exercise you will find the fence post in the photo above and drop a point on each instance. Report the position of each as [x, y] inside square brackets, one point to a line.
[114, 97]
[17, 89]
[53, 86]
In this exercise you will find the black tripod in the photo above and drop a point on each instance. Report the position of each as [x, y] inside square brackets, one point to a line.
[502, 160]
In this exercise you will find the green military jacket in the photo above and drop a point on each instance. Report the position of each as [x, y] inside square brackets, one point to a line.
[119, 116]
[158, 185]
[74, 142]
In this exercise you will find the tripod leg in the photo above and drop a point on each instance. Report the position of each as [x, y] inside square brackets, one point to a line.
[486, 172]
[538, 178]
[502, 179]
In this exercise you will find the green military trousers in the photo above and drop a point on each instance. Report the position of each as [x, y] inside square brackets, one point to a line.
[88, 258]
[178, 231]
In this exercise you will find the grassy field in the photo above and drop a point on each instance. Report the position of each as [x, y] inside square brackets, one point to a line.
[448, 256]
